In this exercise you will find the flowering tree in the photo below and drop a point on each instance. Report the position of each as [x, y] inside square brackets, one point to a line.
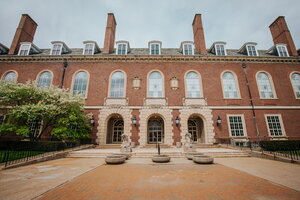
[56, 109]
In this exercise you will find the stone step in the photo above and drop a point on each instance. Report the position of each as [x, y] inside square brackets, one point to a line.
[109, 146]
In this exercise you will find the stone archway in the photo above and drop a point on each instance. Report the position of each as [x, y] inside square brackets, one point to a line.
[115, 129]
[155, 130]
[196, 128]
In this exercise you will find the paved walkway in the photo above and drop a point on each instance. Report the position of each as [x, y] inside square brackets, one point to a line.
[87, 178]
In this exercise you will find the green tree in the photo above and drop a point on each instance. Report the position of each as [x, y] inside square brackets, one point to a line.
[56, 108]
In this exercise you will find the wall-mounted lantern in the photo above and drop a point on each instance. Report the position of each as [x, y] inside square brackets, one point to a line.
[92, 121]
[136, 83]
[177, 121]
[133, 119]
[174, 83]
[219, 121]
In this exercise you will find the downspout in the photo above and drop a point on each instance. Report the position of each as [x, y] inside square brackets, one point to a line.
[244, 66]
[64, 71]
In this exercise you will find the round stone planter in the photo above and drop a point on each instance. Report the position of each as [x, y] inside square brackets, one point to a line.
[115, 159]
[127, 155]
[161, 159]
[201, 159]
[190, 155]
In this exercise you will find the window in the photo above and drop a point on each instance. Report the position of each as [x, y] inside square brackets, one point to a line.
[56, 49]
[295, 78]
[44, 80]
[34, 128]
[154, 49]
[229, 86]
[192, 85]
[155, 85]
[282, 51]
[220, 50]
[10, 77]
[251, 50]
[264, 86]
[2, 119]
[236, 125]
[188, 49]
[89, 49]
[117, 85]
[80, 83]
[122, 49]
[274, 125]
[24, 49]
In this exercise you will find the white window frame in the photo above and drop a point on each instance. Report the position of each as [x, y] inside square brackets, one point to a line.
[124, 87]
[236, 85]
[225, 52]
[285, 49]
[184, 47]
[281, 124]
[243, 123]
[39, 76]
[28, 50]
[93, 49]
[163, 84]
[60, 50]
[294, 72]
[126, 49]
[5, 73]
[248, 52]
[87, 84]
[271, 83]
[150, 48]
[186, 85]
[40, 127]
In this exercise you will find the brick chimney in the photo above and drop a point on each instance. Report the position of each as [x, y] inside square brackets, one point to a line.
[199, 40]
[109, 40]
[24, 33]
[281, 34]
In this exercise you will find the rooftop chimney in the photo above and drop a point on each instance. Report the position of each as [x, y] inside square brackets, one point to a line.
[281, 34]
[24, 33]
[199, 40]
[109, 39]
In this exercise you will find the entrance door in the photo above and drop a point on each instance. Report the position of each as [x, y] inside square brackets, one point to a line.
[117, 131]
[193, 129]
[155, 130]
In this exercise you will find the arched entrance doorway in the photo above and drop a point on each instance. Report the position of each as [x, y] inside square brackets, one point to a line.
[115, 128]
[196, 128]
[155, 130]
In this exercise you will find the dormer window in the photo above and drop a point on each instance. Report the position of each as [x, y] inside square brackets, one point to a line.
[24, 49]
[187, 48]
[56, 50]
[27, 48]
[154, 48]
[251, 50]
[3, 49]
[218, 48]
[282, 51]
[59, 48]
[122, 47]
[90, 48]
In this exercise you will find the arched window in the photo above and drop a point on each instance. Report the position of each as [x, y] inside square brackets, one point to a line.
[80, 83]
[229, 85]
[10, 77]
[117, 85]
[155, 85]
[295, 78]
[45, 79]
[264, 86]
[192, 85]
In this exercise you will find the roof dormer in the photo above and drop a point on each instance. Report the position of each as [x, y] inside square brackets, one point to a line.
[3, 49]
[154, 47]
[90, 48]
[279, 50]
[28, 48]
[218, 48]
[249, 49]
[187, 47]
[122, 47]
[59, 48]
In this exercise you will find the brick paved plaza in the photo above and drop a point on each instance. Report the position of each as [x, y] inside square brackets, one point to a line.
[89, 178]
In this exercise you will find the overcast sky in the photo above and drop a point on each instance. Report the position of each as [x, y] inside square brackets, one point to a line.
[139, 21]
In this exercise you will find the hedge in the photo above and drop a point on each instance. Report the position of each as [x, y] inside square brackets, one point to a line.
[45, 146]
[280, 145]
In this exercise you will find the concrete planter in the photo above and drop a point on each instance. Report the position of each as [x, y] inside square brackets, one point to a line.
[161, 159]
[191, 154]
[201, 159]
[115, 159]
[127, 155]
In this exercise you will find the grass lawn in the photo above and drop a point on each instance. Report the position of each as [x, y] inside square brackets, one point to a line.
[14, 155]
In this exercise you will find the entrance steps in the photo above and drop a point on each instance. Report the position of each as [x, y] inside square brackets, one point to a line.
[153, 146]
[148, 153]
[108, 146]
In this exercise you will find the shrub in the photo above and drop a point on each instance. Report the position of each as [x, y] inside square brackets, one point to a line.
[280, 145]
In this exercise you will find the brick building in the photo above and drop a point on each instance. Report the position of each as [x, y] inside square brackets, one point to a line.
[159, 94]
